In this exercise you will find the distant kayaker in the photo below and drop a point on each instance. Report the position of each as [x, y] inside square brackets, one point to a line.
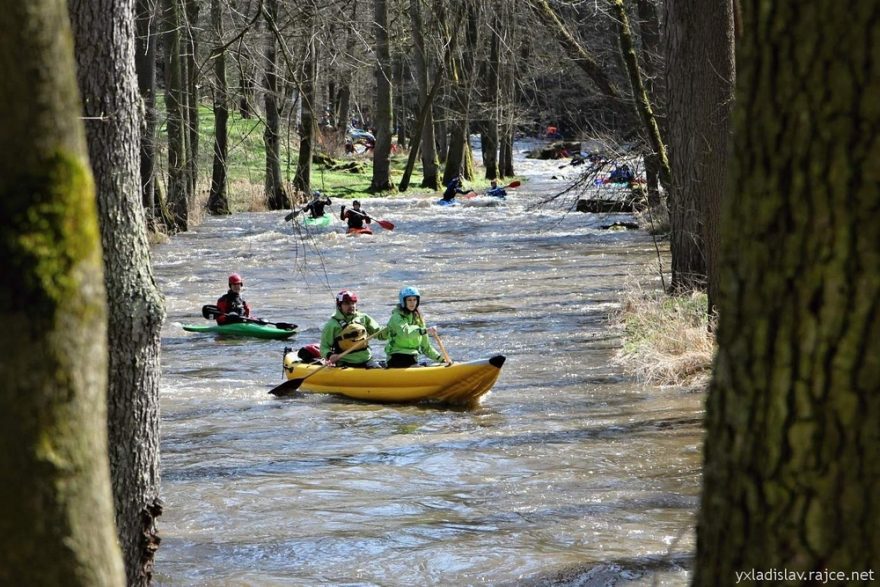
[407, 332]
[355, 217]
[315, 208]
[348, 329]
[453, 188]
[231, 305]
[496, 191]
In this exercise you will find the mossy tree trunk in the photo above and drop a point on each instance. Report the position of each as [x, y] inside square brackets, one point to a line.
[792, 452]
[57, 525]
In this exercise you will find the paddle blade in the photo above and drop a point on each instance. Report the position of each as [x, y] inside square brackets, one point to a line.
[291, 216]
[210, 312]
[385, 224]
[514, 184]
[286, 326]
[286, 388]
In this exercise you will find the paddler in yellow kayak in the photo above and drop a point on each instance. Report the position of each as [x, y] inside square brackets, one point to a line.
[349, 329]
[407, 332]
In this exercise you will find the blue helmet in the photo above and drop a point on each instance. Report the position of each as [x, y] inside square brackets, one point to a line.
[408, 291]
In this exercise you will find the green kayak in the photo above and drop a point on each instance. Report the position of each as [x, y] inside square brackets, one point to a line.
[319, 221]
[243, 329]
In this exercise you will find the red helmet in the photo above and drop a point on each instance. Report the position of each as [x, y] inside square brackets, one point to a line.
[346, 296]
[235, 278]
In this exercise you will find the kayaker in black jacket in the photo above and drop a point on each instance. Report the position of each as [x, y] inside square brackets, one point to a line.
[315, 208]
[454, 188]
[356, 217]
[232, 303]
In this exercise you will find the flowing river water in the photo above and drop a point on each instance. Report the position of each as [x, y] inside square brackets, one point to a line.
[570, 472]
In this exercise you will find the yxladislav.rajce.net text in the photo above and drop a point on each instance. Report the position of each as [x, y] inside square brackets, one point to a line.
[825, 576]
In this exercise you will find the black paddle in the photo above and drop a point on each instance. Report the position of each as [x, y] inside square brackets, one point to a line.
[292, 385]
[211, 312]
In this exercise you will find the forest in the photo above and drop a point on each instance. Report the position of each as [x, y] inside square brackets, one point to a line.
[753, 120]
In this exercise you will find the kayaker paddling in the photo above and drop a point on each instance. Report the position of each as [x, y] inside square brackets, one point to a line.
[232, 307]
[344, 337]
[408, 333]
[356, 217]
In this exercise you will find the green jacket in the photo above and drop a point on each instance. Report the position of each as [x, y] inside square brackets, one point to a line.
[407, 336]
[334, 327]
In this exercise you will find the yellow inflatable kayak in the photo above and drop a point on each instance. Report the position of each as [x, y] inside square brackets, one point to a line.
[461, 384]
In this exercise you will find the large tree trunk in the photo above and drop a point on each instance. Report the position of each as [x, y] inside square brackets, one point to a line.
[491, 97]
[175, 104]
[57, 523]
[146, 42]
[427, 144]
[276, 198]
[218, 202]
[699, 55]
[381, 181]
[104, 31]
[309, 82]
[191, 48]
[792, 455]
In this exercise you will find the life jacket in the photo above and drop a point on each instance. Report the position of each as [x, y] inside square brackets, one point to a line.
[232, 303]
[353, 336]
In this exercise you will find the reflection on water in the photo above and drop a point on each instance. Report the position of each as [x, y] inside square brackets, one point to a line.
[567, 465]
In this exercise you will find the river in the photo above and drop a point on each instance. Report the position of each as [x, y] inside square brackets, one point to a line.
[569, 473]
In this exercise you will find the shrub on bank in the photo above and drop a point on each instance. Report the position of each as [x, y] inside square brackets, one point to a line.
[667, 340]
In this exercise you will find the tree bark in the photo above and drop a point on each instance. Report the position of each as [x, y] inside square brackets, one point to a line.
[276, 198]
[792, 453]
[191, 48]
[699, 55]
[458, 158]
[491, 98]
[146, 42]
[308, 82]
[104, 31]
[381, 181]
[218, 202]
[57, 526]
[427, 144]
[175, 106]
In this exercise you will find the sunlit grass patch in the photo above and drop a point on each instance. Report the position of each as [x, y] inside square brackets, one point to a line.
[667, 339]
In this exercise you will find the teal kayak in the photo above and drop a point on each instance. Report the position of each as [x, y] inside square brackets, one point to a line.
[243, 329]
[319, 221]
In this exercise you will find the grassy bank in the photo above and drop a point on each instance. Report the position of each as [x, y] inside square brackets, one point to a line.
[247, 162]
[667, 339]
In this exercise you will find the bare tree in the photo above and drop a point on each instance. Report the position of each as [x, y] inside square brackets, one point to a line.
[381, 181]
[57, 528]
[175, 106]
[276, 198]
[218, 203]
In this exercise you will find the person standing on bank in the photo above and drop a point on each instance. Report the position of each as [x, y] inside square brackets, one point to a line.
[231, 305]
[349, 329]
[407, 333]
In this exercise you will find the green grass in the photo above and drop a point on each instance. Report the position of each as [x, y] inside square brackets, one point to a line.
[247, 161]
